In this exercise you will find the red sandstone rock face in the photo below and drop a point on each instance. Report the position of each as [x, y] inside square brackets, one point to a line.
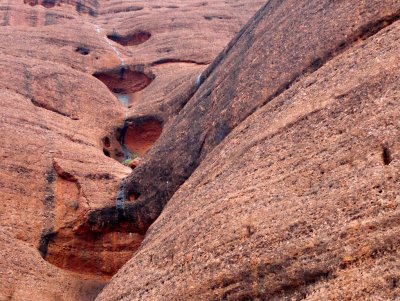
[294, 141]
[226, 98]
[291, 134]
[61, 126]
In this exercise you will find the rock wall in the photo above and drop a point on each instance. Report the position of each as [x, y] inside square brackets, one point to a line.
[282, 167]
[75, 76]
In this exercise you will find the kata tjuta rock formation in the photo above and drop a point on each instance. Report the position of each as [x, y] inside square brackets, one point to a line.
[264, 168]
[86, 86]
[279, 179]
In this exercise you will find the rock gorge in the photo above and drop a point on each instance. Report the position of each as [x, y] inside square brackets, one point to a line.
[199, 150]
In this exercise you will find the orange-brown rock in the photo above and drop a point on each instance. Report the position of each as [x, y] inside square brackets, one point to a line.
[225, 99]
[61, 126]
[269, 171]
[135, 163]
[286, 159]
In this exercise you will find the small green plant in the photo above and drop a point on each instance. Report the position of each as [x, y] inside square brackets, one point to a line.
[127, 162]
[133, 156]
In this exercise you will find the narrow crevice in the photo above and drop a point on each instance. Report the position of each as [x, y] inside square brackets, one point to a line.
[82, 50]
[135, 215]
[46, 237]
[386, 155]
[173, 60]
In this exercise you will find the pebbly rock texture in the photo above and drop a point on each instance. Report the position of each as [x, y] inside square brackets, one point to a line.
[286, 159]
[82, 85]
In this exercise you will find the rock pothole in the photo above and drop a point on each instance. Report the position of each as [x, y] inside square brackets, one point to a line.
[124, 81]
[142, 134]
[133, 140]
[131, 39]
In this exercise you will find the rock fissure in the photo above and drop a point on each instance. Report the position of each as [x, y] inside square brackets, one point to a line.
[175, 60]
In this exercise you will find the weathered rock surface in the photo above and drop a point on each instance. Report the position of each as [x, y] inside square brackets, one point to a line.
[60, 125]
[242, 79]
[294, 142]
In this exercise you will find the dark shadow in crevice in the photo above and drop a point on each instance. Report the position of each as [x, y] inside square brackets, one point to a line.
[386, 155]
[82, 50]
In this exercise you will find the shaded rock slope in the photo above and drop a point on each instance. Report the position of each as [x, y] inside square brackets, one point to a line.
[282, 167]
[85, 85]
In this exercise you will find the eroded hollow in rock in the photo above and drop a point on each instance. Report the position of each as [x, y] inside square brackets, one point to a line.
[131, 39]
[70, 247]
[98, 246]
[142, 134]
[134, 139]
[124, 81]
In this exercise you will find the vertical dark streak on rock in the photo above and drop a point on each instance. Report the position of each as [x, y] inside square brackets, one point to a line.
[27, 81]
[33, 18]
[49, 18]
[48, 214]
[6, 18]
[46, 237]
[59, 101]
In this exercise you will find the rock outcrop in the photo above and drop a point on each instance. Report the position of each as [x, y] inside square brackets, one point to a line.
[286, 159]
[146, 157]
[80, 83]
